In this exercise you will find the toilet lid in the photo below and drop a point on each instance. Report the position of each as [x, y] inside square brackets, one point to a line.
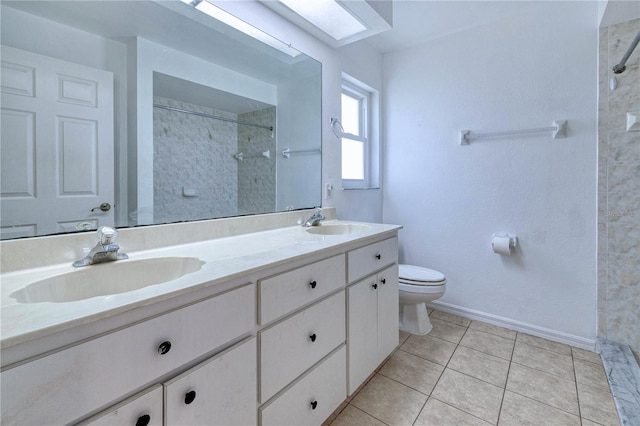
[418, 275]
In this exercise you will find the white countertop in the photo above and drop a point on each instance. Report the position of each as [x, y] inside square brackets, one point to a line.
[225, 259]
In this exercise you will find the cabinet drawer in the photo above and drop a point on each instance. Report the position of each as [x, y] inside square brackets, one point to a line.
[145, 408]
[286, 292]
[311, 400]
[100, 371]
[291, 347]
[366, 260]
[221, 390]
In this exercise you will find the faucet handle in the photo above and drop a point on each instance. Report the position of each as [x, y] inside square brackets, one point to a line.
[107, 235]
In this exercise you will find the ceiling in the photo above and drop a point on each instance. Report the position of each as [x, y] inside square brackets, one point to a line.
[418, 21]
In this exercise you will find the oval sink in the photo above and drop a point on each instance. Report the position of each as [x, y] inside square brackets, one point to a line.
[107, 279]
[337, 229]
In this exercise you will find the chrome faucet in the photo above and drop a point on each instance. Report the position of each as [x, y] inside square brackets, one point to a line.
[315, 219]
[105, 251]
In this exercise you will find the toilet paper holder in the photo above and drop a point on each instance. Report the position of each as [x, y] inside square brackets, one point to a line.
[504, 243]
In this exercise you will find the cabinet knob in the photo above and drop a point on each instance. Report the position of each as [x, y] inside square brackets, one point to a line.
[164, 347]
[383, 281]
[313, 284]
[143, 420]
[375, 286]
[313, 337]
[189, 397]
[314, 404]
[378, 256]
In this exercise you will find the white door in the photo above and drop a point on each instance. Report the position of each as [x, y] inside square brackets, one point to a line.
[56, 146]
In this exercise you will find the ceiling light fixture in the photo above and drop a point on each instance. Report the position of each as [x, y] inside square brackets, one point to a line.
[328, 15]
[240, 25]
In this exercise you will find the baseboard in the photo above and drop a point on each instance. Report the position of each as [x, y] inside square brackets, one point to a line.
[534, 330]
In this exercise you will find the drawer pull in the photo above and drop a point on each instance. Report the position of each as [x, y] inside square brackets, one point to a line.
[189, 397]
[383, 281]
[314, 404]
[313, 284]
[375, 286]
[378, 256]
[143, 420]
[313, 337]
[164, 347]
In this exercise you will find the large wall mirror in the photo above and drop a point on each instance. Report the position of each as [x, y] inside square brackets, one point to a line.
[128, 113]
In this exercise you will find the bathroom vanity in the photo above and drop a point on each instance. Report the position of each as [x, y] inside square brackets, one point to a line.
[275, 327]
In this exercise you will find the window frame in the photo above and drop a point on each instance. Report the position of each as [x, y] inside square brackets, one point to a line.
[367, 99]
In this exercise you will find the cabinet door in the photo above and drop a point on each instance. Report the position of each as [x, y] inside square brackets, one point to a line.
[143, 409]
[362, 339]
[387, 312]
[220, 391]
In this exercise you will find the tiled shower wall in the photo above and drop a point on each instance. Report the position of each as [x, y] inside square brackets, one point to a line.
[257, 174]
[619, 190]
[195, 153]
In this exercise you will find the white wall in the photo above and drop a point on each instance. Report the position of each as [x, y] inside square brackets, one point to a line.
[519, 73]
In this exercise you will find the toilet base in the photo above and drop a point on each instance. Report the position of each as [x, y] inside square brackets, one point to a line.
[414, 319]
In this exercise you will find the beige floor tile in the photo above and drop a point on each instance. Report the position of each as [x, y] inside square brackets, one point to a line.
[437, 413]
[430, 348]
[471, 395]
[389, 401]
[444, 316]
[543, 387]
[586, 355]
[544, 344]
[447, 331]
[596, 404]
[488, 343]
[518, 410]
[352, 416]
[591, 374]
[543, 360]
[403, 336]
[413, 371]
[493, 329]
[587, 422]
[480, 365]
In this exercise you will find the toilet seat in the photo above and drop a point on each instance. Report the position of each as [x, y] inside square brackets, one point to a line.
[419, 276]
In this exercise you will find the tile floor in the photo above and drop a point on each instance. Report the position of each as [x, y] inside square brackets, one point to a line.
[472, 373]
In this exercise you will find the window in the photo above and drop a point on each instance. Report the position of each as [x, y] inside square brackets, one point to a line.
[359, 144]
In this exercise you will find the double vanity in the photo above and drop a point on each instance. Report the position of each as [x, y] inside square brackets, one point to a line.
[271, 327]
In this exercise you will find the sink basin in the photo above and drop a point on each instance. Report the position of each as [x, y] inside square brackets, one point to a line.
[337, 229]
[107, 279]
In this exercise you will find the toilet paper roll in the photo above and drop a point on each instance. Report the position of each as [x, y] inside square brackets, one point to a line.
[501, 245]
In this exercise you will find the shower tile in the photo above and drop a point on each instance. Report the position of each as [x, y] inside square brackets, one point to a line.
[539, 342]
[623, 177]
[488, 343]
[518, 410]
[544, 360]
[624, 239]
[624, 300]
[624, 29]
[352, 416]
[624, 207]
[623, 270]
[447, 331]
[429, 348]
[493, 329]
[412, 371]
[469, 394]
[389, 401]
[480, 365]
[623, 146]
[543, 387]
[438, 413]
[444, 316]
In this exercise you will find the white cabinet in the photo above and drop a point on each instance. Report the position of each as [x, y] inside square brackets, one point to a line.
[220, 391]
[143, 409]
[99, 372]
[372, 304]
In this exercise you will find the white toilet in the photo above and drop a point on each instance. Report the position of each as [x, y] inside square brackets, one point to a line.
[418, 285]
